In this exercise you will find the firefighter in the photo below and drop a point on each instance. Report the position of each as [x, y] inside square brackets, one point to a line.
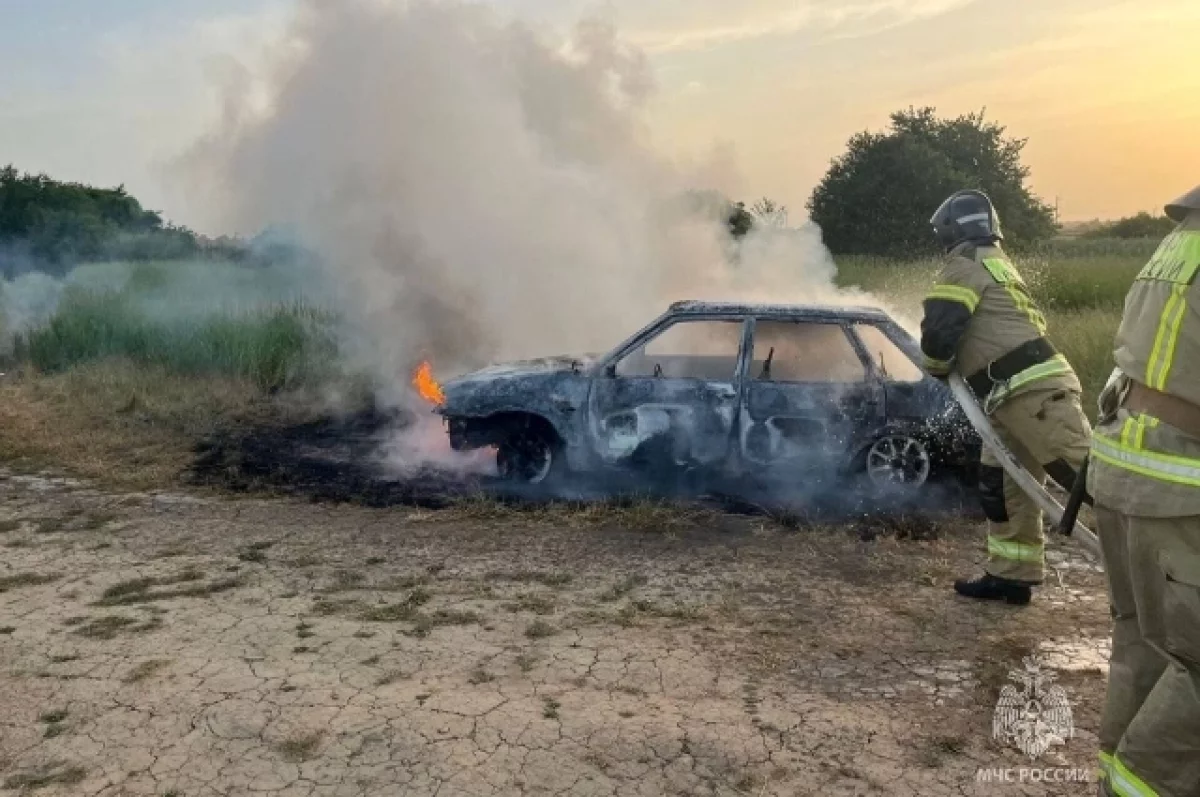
[980, 321]
[1144, 473]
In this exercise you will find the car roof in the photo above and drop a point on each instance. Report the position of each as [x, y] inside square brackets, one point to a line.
[815, 311]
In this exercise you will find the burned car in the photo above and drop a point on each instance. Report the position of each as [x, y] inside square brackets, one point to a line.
[724, 389]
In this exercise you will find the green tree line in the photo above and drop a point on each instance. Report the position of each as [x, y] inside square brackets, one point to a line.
[1143, 225]
[56, 223]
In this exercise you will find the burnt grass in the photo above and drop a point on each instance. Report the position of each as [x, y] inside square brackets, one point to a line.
[337, 460]
[331, 459]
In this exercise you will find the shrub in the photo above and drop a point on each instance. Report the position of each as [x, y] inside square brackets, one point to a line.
[877, 197]
[275, 347]
[1143, 225]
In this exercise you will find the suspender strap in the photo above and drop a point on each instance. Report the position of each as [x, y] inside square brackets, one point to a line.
[1027, 355]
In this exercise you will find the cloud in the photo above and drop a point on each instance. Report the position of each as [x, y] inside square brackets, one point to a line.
[846, 20]
[132, 95]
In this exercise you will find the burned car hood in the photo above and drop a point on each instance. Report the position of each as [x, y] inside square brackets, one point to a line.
[520, 368]
[519, 385]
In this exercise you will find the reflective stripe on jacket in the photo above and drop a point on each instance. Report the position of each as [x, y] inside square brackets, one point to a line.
[1158, 343]
[1121, 780]
[978, 311]
[1141, 465]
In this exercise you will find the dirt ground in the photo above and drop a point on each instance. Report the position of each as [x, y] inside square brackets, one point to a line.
[169, 644]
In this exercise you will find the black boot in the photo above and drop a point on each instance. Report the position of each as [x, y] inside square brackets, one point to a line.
[992, 588]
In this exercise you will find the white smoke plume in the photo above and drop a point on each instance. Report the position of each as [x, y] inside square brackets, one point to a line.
[477, 191]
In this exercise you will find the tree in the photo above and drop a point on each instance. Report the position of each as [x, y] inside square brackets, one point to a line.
[716, 206]
[770, 214]
[739, 220]
[1143, 225]
[57, 224]
[878, 196]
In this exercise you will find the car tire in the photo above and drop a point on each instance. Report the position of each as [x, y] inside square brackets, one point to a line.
[898, 460]
[528, 456]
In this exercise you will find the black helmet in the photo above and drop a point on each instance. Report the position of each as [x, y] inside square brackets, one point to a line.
[966, 216]
[1180, 208]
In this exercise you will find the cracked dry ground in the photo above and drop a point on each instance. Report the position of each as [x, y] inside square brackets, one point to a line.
[174, 645]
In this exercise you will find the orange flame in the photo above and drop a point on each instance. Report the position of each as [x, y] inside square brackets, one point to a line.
[427, 386]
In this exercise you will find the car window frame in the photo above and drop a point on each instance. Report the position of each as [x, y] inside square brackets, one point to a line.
[864, 360]
[605, 368]
[886, 328]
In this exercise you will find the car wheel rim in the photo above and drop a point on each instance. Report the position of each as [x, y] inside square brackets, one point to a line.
[527, 459]
[898, 460]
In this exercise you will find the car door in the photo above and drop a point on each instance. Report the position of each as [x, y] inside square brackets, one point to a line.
[671, 398]
[808, 390]
[923, 420]
[908, 393]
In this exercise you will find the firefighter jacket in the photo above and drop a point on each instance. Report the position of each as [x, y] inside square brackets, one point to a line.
[1140, 464]
[980, 321]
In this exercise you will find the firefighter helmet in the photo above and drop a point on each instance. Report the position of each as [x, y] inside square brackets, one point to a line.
[1188, 203]
[966, 216]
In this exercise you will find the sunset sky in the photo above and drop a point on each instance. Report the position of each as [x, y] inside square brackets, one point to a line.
[1106, 91]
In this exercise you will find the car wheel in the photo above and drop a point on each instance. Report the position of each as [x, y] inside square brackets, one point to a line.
[898, 460]
[527, 457]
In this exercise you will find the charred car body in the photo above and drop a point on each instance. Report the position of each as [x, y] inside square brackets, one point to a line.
[725, 389]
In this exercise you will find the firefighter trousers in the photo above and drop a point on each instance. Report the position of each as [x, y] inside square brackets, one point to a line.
[1048, 432]
[1150, 732]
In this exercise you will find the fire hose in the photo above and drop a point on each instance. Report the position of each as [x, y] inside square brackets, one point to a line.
[1023, 478]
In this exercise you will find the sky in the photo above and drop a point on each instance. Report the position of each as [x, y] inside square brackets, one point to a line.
[1107, 92]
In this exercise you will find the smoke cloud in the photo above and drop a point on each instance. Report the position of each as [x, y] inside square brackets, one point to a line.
[476, 191]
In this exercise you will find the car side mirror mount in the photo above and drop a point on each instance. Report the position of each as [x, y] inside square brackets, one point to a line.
[610, 370]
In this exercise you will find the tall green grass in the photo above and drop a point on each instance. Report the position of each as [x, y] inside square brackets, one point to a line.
[1079, 283]
[1085, 336]
[229, 320]
[1073, 248]
[191, 318]
[277, 346]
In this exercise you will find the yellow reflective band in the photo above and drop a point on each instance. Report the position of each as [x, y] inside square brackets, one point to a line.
[1127, 432]
[1174, 324]
[935, 366]
[1140, 436]
[1025, 305]
[1106, 762]
[1015, 551]
[1164, 467]
[1133, 431]
[1125, 783]
[1176, 260]
[1055, 366]
[1002, 271]
[1007, 275]
[1164, 323]
[955, 293]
